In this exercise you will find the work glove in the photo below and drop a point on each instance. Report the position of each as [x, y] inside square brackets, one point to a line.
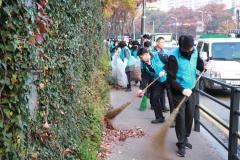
[187, 92]
[162, 73]
[140, 93]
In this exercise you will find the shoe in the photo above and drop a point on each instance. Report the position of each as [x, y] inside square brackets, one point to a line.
[159, 120]
[188, 145]
[172, 125]
[181, 152]
[165, 109]
[151, 107]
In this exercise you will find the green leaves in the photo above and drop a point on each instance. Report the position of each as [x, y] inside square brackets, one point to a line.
[52, 42]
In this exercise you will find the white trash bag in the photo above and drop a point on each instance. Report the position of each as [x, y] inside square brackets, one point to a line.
[121, 76]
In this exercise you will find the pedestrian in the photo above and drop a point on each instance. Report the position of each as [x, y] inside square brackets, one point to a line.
[147, 45]
[159, 49]
[146, 37]
[153, 67]
[182, 68]
[125, 55]
[135, 47]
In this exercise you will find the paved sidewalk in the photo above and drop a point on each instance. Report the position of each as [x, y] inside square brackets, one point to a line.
[140, 148]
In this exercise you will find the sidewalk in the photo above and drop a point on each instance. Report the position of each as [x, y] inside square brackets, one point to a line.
[140, 148]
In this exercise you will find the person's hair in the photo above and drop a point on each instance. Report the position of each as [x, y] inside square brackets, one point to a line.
[114, 49]
[186, 42]
[147, 44]
[146, 36]
[142, 51]
[130, 43]
[122, 44]
[159, 38]
[135, 43]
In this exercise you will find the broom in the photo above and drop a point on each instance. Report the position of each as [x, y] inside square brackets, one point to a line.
[114, 112]
[143, 104]
[158, 139]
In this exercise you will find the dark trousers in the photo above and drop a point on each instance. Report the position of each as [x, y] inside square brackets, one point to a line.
[184, 119]
[170, 98]
[155, 91]
[162, 99]
[129, 79]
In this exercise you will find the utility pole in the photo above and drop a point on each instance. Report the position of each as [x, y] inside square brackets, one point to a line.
[134, 30]
[176, 30]
[143, 20]
[153, 27]
[237, 18]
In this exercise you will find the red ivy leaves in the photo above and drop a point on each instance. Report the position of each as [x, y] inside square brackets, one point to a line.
[40, 24]
[39, 38]
[41, 10]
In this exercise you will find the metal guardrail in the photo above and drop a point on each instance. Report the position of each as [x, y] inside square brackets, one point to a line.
[232, 127]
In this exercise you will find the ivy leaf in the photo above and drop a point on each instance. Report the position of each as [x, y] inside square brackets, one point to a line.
[41, 27]
[32, 41]
[41, 10]
[7, 11]
[39, 38]
[3, 64]
[1, 122]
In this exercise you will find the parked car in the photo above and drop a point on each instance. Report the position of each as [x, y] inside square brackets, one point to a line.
[222, 56]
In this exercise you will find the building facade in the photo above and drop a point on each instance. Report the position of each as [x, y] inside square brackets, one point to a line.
[195, 4]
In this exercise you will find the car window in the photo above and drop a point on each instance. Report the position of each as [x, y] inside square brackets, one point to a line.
[199, 46]
[226, 51]
[206, 48]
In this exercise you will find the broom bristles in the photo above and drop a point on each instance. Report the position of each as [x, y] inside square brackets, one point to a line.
[114, 112]
[143, 105]
[158, 140]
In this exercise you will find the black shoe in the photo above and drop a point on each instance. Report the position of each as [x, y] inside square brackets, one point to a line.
[165, 109]
[188, 145]
[181, 152]
[172, 125]
[159, 120]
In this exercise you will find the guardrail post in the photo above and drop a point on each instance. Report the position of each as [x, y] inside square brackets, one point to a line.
[197, 110]
[233, 127]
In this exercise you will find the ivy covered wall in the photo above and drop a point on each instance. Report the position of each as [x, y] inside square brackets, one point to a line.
[52, 48]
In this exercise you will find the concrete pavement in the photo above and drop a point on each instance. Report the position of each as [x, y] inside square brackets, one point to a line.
[140, 148]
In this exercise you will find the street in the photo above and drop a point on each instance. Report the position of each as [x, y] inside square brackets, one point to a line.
[219, 112]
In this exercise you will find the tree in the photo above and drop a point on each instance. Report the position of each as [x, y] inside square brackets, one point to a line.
[186, 21]
[217, 18]
[158, 18]
[120, 15]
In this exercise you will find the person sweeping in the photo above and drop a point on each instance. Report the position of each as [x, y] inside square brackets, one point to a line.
[152, 68]
[182, 68]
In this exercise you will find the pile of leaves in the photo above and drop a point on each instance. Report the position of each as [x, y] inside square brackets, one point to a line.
[112, 135]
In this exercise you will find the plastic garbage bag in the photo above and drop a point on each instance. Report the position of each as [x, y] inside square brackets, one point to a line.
[118, 71]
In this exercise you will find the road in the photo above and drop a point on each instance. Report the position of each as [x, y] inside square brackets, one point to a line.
[221, 113]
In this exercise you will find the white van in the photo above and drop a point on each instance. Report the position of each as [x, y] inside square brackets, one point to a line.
[222, 56]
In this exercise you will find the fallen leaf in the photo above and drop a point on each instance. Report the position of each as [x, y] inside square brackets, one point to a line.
[67, 151]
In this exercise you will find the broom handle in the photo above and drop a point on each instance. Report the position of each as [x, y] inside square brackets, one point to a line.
[144, 90]
[185, 97]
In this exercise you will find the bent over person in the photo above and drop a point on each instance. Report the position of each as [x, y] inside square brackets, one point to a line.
[152, 68]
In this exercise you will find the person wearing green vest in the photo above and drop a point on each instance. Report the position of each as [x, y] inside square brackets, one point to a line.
[182, 68]
[125, 55]
[152, 68]
[135, 47]
[159, 49]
